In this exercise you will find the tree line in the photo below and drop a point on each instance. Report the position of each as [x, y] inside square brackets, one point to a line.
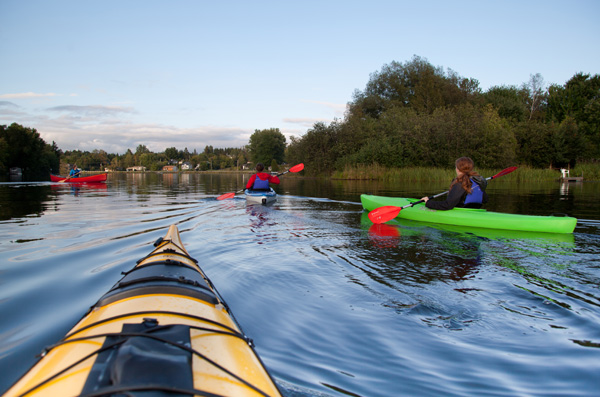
[415, 114]
[23, 147]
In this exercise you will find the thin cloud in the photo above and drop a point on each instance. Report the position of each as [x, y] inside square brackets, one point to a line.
[7, 104]
[92, 111]
[305, 122]
[25, 95]
[10, 109]
[338, 108]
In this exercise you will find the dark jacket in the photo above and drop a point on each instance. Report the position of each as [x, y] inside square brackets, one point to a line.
[456, 197]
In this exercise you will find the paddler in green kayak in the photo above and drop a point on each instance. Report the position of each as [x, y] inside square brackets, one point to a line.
[467, 190]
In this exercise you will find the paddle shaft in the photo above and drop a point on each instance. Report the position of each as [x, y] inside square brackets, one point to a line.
[69, 177]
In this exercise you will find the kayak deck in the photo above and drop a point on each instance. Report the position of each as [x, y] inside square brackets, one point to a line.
[163, 328]
[472, 217]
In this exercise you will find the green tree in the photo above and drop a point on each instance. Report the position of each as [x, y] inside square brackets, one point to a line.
[535, 146]
[172, 153]
[24, 148]
[150, 161]
[141, 149]
[509, 101]
[415, 84]
[579, 99]
[316, 149]
[274, 165]
[266, 145]
[128, 159]
[241, 160]
[116, 163]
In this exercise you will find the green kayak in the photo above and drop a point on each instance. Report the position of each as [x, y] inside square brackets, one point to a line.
[472, 217]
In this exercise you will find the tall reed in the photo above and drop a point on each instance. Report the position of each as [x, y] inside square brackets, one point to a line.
[590, 171]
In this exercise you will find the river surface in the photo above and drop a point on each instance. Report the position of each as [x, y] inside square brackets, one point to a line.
[335, 305]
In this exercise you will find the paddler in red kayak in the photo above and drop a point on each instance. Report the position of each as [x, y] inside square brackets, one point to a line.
[466, 190]
[261, 180]
[74, 173]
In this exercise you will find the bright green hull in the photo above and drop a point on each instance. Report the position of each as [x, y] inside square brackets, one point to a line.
[473, 217]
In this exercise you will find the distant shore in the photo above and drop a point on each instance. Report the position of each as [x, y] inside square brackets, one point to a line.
[589, 172]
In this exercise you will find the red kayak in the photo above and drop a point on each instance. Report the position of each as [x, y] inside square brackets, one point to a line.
[81, 179]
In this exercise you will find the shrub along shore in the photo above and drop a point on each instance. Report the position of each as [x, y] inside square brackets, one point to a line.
[589, 171]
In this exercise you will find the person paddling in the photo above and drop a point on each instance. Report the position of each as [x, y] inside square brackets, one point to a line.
[261, 180]
[466, 190]
[74, 173]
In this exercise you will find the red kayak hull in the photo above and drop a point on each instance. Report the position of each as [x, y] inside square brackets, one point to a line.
[81, 179]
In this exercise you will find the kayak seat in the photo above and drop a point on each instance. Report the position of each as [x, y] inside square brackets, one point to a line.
[166, 277]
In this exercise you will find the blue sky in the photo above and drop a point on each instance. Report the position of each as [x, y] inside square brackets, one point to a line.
[112, 74]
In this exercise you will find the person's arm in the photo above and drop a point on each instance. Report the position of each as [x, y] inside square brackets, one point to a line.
[251, 182]
[274, 179]
[454, 198]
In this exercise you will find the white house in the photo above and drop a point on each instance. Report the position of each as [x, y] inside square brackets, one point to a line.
[136, 168]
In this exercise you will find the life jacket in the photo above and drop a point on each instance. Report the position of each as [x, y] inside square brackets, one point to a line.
[260, 184]
[476, 195]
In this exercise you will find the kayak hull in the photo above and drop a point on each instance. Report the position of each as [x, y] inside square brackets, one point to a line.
[471, 217]
[162, 328]
[81, 179]
[263, 197]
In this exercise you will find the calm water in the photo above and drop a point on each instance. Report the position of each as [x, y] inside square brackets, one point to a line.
[336, 306]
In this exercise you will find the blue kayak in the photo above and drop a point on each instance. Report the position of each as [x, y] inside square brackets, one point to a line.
[260, 196]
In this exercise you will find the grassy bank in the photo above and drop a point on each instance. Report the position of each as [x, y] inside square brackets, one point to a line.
[590, 172]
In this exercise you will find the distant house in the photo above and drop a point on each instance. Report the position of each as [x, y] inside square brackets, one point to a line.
[170, 168]
[136, 168]
[186, 166]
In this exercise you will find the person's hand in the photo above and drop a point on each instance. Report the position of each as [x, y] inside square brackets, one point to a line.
[425, 199]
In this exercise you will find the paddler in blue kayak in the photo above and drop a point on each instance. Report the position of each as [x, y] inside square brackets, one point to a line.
[467, 190]
[261, 180]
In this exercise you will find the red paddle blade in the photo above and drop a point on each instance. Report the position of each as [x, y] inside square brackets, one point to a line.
[504, 172]
[226, 196]
[384, 214]
[297, 168]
